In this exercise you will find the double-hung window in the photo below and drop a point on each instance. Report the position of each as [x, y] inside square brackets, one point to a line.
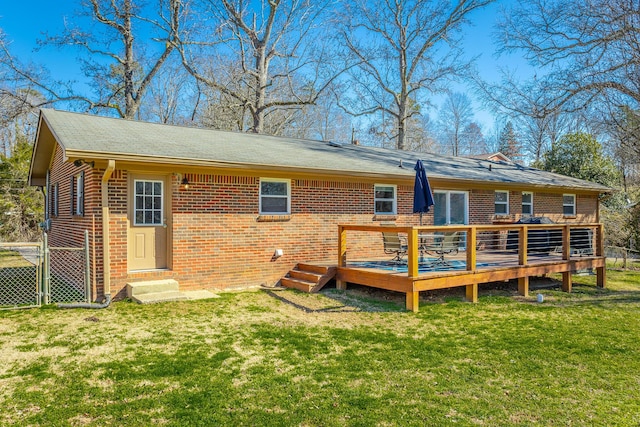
[501, 202]
[275, 196]
[385, 199]
[527, 203]
[77, 194]
[569, 204]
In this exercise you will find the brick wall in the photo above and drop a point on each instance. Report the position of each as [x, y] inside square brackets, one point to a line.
[218, 240]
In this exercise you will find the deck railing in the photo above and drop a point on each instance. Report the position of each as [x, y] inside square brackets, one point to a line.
[486, 253]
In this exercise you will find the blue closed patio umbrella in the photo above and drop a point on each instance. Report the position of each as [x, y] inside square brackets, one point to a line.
[422, 197]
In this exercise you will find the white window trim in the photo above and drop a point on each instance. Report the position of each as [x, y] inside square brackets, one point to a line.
[528, 204]
[447, 207]
[573, 205]
[394, 200]
[288, 196]
[506, 212]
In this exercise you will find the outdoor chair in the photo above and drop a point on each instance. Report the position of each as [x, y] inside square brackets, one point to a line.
[446, 244]
[394, 245]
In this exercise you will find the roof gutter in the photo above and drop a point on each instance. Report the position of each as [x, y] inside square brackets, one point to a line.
[234, 166]
[106, 257]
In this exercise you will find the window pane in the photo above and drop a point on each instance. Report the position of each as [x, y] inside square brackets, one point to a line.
[384, 206]
[526, 209]
[139, 187]
[139, 202]
[273, 188]
[274, 204]
[157, 202]
[384, 193]
[148, 217]
[501, 208]
[526, 197]
[139, 217]
[568, 200]
[157, 217]
[148, 202]
[501, 196]
[157, 188]
[568, 210]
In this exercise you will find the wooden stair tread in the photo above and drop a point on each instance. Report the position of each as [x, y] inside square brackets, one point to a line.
[308, 277]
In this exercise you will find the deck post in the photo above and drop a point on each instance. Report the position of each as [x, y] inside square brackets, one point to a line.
[413, 298]
[523, 286]
[471, 248]
[523, 282]
[566, 281]
[342, 255]
[601, 272]
[471, 292]
[412, 267]
[566, 255]
[601, 277]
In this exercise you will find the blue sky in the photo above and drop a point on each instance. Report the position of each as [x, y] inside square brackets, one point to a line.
[25, 21]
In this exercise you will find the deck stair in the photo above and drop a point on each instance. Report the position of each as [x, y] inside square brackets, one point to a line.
[308, 277]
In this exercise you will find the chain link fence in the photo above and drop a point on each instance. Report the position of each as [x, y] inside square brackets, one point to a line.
[20, 275]
[32, 274]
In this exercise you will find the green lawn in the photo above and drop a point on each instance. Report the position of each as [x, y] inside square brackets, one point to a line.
[336, 358]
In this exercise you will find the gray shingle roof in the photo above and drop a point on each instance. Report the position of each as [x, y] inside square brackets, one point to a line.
[102, 138]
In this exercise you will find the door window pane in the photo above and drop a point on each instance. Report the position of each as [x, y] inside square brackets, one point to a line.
[148, 209]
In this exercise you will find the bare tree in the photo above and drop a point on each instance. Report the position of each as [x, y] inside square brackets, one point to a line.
[117, 56]
[472, 139]
[590, 49]
[405, 47]
[24, 87]
[277, 67]
[171, 95]
[455, 114]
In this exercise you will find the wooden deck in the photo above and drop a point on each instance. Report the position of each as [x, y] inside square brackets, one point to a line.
[487, 256]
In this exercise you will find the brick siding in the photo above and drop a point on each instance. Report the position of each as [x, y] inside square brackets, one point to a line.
[219, 240]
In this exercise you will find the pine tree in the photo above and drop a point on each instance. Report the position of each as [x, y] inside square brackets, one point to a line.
[508, 143]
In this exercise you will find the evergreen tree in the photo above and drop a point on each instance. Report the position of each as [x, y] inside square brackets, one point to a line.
[21, 206]
[508, 143]
[580, 155]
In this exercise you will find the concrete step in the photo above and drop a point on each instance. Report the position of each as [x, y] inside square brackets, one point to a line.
[154, 297]
[151, 287]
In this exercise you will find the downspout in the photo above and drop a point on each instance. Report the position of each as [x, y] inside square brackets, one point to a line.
[106, 257]
[111, 165]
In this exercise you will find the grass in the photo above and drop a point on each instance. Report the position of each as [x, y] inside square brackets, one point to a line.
[337, 358]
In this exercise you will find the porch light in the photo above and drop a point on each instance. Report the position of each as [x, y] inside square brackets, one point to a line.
[185, 183]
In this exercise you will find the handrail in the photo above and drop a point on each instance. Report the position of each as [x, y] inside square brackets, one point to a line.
[471, 231]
